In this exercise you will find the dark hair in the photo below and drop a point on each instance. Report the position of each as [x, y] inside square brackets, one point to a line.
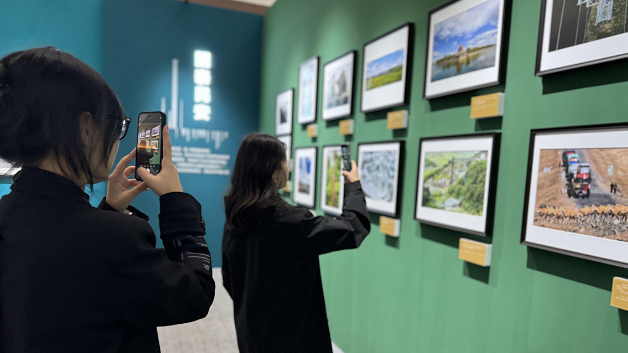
[253, 194]
[43, 92]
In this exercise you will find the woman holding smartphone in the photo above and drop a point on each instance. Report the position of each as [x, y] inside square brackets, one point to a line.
[270, 252]
[74, 278]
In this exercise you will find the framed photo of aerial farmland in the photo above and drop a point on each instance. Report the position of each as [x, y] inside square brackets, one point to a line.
[466, 46]
[577, 192]
[456, 182]
[580, 33]
[386, 66]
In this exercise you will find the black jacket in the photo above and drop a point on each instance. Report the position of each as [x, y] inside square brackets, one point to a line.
[273, 275]
[74, 278]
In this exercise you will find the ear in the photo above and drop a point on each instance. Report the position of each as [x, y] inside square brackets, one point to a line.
[86, 126]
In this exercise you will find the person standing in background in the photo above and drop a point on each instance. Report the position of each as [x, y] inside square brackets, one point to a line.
[270, 252]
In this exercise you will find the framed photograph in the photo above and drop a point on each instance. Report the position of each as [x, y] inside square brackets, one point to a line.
[333, 186]
[283, 112]
[308, 91]
[465, 42]
[381, 166]
[579, 33]
[456, 182]
[7, 169]
[287, 140]
[577, 192]
[338, 80]
[304, 190]
[387, 61]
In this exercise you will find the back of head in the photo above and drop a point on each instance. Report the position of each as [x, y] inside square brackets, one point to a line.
[43, 94]
[253, 194]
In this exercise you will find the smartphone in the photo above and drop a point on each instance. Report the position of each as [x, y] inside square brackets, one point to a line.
[346, 157]
[149, 150]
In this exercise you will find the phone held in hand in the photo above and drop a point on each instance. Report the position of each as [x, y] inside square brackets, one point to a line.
[346, 157]
[149, 150]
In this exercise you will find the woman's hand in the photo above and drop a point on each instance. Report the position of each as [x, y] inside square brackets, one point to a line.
[167, 180]
[119, 196]
[352, 176]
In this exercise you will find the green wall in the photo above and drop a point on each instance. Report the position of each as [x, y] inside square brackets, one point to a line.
[414, 294]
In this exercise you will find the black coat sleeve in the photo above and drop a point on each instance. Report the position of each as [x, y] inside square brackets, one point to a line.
[320, 235]
[157, 288]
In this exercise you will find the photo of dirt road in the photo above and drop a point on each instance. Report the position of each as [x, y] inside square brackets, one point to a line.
[581, 191]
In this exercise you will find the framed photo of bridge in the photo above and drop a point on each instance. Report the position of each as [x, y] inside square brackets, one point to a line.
[466, 46]
[456, 182]
[580, 33]
[577, 192]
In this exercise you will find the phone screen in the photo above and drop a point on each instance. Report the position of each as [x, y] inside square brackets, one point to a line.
[149, 149]
[346, 157]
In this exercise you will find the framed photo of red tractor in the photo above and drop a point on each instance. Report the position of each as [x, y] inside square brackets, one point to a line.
[577, 192]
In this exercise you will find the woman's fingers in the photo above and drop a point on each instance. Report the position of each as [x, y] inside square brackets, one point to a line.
[124, 162]
[129, 171]
[133, 182]
[167, 145]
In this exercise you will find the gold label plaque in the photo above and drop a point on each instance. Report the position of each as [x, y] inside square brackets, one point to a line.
[487, 106]
[389, 226]
[397, 120]
[312, 130]
[288, 186]
[346, 127]
[619, 294]
[475, 252]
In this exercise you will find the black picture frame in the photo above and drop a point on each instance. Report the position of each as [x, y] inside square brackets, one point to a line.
[503, 63]
[492, 183]
[539, 52]
[400, 175]
[316, 90]
[531, 150]
[315, 181]
[291, 124]
[409, 60]
[353, 85]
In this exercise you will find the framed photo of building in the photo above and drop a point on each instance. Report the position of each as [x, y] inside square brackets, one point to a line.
[287, 140]
[579, 33]
[338, 78]
[380, 166]
[576, 201]
[308, 91]
[465, 46]
[385, 70]
[304, 190]
[283, 112]
[456, 182]
[333, 185]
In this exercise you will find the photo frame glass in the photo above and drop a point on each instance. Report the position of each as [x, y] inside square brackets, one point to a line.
[7, 169]
[379, 167]
[454, 182]
[283, 112]
[304, 190]
[464, 46]
[338, 87]
[287, 140]
[308, 91]
[576, 202]
[581, 33]
[332, 186]
[385, 70]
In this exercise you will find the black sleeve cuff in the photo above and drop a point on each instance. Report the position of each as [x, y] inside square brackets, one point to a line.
[134, 211]
[180, 215]
[356, 185]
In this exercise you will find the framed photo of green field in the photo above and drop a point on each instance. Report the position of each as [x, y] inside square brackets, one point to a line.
[579, 33]
[333, 185]
[386, 69]
[576, 202]
[465, 46]
[456, 182]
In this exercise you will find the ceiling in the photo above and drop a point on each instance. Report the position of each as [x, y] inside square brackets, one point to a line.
[266, 3]
[258, 7]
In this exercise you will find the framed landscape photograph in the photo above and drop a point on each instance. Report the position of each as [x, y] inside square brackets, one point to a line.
[338, 77]
[308, 91]
[283, 112]
[577, 192]
[380, 166]
[333, 186]
[465, 46]
[387, 62]
[287, 140]
[456, 182]
[304, 189]
[578, 33]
